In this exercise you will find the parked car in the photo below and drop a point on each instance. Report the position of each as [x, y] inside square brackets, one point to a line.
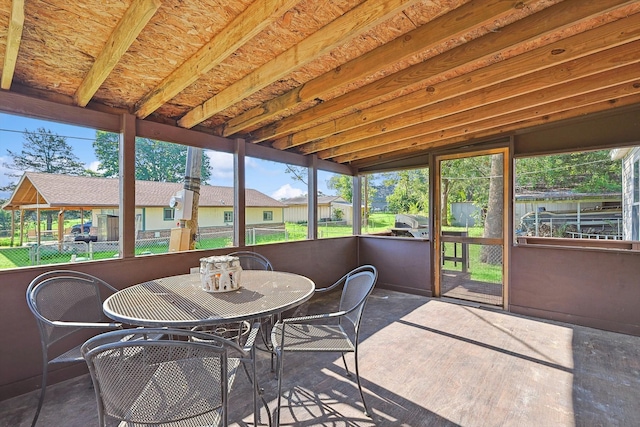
[81, 233]
[86, 228]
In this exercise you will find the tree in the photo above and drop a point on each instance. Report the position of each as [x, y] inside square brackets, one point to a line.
[410, 191]
[43, 151]
[461, 182]
[155, 160]
[299, 173]
[583, 172]
[493, 224]
[5, 217]
[343, 184]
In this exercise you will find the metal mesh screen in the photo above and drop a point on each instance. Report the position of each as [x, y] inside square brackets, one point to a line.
[472, 272]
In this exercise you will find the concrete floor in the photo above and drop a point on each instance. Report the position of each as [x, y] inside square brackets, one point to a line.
[426, 362]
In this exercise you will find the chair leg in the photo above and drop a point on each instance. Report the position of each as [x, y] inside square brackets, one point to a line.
[346, 368]
[43, 389]
[279, 365]
[366, 410]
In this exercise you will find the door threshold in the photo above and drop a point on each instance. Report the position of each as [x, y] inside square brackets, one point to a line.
[472, 304]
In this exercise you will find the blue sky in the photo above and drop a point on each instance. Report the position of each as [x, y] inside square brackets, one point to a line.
[265, 176]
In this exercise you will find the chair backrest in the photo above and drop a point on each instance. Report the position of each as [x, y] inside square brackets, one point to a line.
[65, 295]
[357, 287]
[252, 260]
[182, 380]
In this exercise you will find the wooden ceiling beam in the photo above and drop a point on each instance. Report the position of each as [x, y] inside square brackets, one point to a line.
[470, 127]
[467, 122]
[14, 36]
[510, 128]
[353, 23]
[561, 74]
[452, 25]
[536, 27]
[253, 20]
[536, 61]
[125, 33]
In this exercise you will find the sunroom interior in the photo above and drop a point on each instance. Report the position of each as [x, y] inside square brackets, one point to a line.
[352, 88]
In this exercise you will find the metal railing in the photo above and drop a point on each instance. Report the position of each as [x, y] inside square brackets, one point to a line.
[576, 235]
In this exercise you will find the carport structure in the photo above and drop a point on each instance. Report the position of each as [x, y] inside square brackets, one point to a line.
[34, 192]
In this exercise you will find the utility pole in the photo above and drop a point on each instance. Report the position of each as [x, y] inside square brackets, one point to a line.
[192, 183]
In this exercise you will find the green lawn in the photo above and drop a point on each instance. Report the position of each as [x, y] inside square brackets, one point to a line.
[480, 271]
[377, 222]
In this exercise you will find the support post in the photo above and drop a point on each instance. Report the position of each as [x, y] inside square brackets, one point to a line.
[312, 198]
[127, 175]
[239, 203]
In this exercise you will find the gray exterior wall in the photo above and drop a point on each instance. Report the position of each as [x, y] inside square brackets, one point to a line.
[628, 161]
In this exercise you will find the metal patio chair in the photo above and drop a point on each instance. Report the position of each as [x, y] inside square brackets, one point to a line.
[247, 341]
[183, 380]
[66, 303]
[252, 260]
[326, 332]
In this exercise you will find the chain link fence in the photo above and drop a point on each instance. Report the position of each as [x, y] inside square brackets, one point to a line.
[56, 253]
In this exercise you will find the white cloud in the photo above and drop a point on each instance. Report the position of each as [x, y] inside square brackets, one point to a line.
[287, 191]
[94, 166]
[250, 162]
[221, 166]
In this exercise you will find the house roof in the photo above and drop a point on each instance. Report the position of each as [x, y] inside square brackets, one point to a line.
[558, 196]
[322, 200]
[55, 191]
[352, 81]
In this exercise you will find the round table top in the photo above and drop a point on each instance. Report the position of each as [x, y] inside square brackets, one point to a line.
[180, 301]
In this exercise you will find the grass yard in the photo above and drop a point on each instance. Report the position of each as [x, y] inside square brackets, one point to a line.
[12, 257]
[480, 271]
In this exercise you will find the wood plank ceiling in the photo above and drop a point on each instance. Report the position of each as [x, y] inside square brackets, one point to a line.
[355, 82]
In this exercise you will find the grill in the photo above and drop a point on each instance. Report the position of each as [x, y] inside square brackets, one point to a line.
[407, 225]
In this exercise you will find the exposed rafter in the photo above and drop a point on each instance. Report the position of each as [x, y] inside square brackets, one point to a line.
[258, 16]
[469, 17]
[14, 35]
[541, 117]
[621, 82]
[563, 61]
[349, 83]
[355, 22]
[127, 30]
[533, 28]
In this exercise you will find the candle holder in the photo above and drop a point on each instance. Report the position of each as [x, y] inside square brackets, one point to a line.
[220, 273]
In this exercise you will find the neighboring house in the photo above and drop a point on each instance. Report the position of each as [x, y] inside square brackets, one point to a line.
[630, 191]
[42, 191]
[296, 210]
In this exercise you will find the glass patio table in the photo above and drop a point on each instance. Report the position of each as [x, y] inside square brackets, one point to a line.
[180, 301]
